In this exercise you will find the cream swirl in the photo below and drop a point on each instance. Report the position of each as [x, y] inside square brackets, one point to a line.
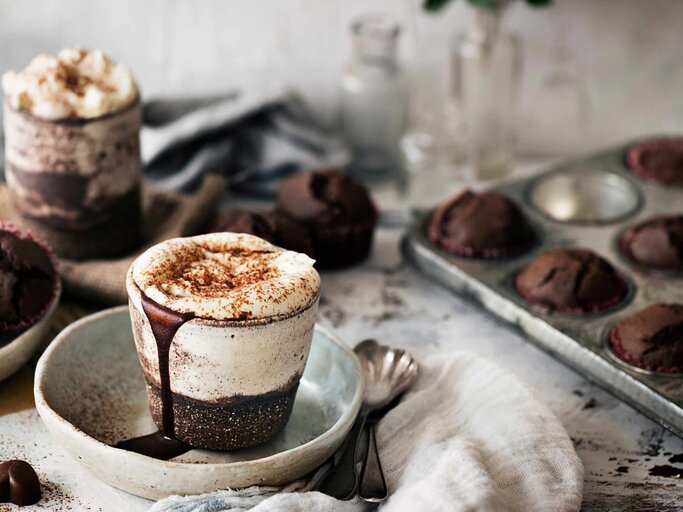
[226, 276]
[77, 83]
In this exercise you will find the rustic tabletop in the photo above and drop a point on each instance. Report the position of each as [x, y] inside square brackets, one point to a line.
[631, 463]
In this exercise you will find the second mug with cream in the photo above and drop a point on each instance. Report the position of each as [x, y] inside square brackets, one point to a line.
[72, 152]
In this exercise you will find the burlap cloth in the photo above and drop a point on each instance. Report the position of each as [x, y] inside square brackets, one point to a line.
[165, 215]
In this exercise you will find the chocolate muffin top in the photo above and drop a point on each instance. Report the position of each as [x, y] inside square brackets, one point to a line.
[272, 226]
[326, 197]
[28, 280]
[485, 224]
[570, 281]
[658, 160]
[651, 339]
[656, 243]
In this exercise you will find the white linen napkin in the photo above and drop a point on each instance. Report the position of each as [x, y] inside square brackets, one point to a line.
[469, 436]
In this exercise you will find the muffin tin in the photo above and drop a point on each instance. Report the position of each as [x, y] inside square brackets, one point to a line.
[586, 202]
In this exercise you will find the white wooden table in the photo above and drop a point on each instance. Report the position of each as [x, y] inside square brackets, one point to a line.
[387, 300]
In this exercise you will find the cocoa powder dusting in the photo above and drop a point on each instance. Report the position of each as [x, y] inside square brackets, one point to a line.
[226, 277]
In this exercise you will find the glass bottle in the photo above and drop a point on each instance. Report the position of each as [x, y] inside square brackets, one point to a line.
[486, 70]
[561, 119]
[373, 110]
[432, 147]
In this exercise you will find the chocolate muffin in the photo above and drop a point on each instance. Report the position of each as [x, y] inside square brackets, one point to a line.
[656, 243]
[651, 339]
[480, 225]
[659, 160]
[276, 228]
[338, 212]
[571, 281]
[28, 281]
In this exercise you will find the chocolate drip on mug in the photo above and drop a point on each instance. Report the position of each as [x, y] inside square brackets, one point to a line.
[162, 444]
[165, 323]
[155, 445]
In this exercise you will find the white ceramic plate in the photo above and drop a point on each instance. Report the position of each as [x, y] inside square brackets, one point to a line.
[90, 393]
[17, 352]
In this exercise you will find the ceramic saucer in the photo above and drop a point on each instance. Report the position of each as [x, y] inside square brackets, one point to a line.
[17, 352]
[90, 393]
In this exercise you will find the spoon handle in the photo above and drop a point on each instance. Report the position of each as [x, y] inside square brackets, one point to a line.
[373, 486]
[342, 482]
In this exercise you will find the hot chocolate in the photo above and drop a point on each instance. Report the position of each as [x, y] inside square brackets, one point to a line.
[223, 324]
[72, 152]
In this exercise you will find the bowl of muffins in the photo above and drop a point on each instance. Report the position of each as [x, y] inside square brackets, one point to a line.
[30, 284]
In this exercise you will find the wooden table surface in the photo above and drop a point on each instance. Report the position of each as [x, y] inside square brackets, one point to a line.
[16, 393]
[631, 464]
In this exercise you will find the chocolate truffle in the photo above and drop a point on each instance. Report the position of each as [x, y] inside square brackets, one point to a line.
[658, 160]
[338, 212]
[276, 228]
[19, 483]
[480, 225]
[571, 281]
[651, 339]
[656, 243]
[28, 281]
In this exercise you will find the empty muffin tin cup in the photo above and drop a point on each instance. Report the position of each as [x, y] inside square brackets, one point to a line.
[586, 196]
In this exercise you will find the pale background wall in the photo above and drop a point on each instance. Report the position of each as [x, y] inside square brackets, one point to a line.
[626, 54]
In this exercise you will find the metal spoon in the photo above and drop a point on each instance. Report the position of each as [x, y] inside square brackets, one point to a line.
[388, 373]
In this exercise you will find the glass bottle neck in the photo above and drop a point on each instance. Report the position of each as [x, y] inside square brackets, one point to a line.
[375, 39]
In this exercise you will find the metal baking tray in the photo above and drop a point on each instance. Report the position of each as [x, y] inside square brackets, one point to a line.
[588, 202]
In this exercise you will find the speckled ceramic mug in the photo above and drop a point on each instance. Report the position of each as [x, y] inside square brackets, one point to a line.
[76, 182]
[233, 382]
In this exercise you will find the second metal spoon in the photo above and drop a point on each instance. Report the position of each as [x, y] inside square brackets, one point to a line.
[388, 373]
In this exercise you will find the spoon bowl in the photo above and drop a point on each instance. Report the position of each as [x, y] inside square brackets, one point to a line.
[388, 372]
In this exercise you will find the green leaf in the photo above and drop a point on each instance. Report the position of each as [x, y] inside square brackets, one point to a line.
[438, 5]
[435, 5]
[485, 4]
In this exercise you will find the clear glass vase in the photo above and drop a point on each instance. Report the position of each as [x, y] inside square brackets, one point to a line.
[373, 111]
[432, 150]
[486, 71]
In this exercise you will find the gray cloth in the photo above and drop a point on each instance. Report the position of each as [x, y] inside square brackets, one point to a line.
[254, 138]
[468, 437]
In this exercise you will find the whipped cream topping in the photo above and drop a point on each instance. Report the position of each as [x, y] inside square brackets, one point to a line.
[77, 83]
[226, 276]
